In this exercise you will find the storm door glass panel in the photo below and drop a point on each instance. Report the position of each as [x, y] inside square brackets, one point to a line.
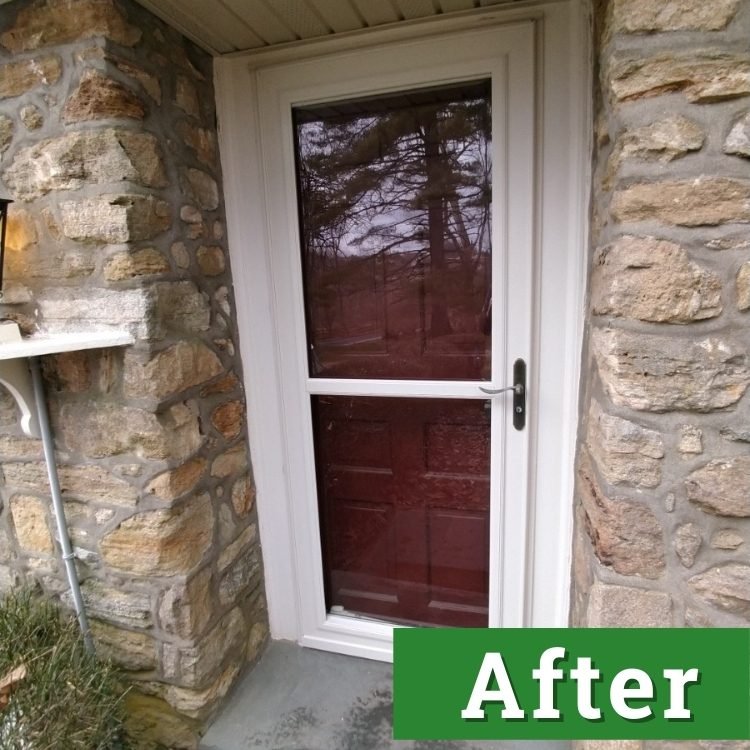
[394, 197]
[403, 488]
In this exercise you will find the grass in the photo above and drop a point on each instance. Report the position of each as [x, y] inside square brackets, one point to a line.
[68, 698]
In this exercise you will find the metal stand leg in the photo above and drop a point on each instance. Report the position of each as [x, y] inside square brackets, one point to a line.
[57, 502]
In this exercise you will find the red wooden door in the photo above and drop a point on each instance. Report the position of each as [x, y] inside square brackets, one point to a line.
[394, 197]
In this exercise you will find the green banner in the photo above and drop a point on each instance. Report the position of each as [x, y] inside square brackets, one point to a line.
[571, 684]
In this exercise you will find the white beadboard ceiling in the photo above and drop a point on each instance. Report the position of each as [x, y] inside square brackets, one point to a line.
[225, 26]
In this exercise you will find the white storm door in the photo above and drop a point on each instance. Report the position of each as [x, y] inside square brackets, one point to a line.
[399, 186]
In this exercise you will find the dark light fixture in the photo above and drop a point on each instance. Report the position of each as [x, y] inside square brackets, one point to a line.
[4, 203]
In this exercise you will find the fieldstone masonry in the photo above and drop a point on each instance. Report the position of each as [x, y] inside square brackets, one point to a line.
[108, 145]
[663, 489]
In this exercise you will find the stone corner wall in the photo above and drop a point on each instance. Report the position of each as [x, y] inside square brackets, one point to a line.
[663, 471]
[108, 145]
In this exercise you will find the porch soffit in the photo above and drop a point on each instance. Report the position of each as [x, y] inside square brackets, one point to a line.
[225, 26]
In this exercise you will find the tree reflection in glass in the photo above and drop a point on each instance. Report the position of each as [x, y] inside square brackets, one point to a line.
[394, 201]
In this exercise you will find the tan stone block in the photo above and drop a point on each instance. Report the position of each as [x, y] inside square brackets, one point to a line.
[65, 308]
[186, 609]
[180, 306]
[201, 140]
[687, 541]
[246, 540]
[703, 201]
[241, 574]
[149, 82]
[161, 542]
[180, 254]
[624, 451]
[742, 287]
[17, 78]
[133, 651]
[626, 535]
[186, 96]
[691, 440]
[222, 300]
[726, 587]
[738, 140]
[227, 526]
[232, 461]
[224, 385]
[722, 487]
[31, 117]
[30, 522]
[54, 22]
[625, 607]
[109, 429]
[152, 722]
[228, 419]
[663, 140]
[727, 539]
[199, 704]
[52, 263]
[662, 373]
[86, 482]
[191, 215]
[71, 370]
[14, 446]
[652, 280]
[702, 75]
[136, 264]
[86, 157]
[211, 260]
[100, 98]
[177, 482]
[6, 133]
[632, 16]
[181, 366]
[243, 496]
[115, 219]
[199, 665]
[129, 608]
[203, 189]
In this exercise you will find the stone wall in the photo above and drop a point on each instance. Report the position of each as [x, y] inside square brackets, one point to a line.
[663, 475]
[108, 145]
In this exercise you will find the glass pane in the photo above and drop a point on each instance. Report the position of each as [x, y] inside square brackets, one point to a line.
[394, 198]
[403, 488]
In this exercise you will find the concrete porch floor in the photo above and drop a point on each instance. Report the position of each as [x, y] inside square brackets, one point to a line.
[302, 699]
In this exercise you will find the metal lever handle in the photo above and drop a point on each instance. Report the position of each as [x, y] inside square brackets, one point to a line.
[517, 389]
[519, 393]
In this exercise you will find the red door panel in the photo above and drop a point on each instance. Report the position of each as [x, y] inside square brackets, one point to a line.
[406, 537]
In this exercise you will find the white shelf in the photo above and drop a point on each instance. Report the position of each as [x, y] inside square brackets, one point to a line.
[57, 343]
[18, 354]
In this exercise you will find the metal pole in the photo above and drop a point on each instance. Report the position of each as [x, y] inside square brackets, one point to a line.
[57, 503]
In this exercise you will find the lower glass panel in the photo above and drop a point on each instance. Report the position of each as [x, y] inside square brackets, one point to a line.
[404, 497]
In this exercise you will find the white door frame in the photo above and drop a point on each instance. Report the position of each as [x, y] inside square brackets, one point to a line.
[537, 595]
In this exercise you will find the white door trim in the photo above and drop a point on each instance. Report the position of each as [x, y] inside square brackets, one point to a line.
[562, 132]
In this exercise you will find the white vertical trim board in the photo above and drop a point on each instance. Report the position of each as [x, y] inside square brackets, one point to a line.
[538, 42]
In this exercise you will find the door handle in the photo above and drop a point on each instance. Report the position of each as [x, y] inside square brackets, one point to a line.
[519, 393]
[517, 389]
